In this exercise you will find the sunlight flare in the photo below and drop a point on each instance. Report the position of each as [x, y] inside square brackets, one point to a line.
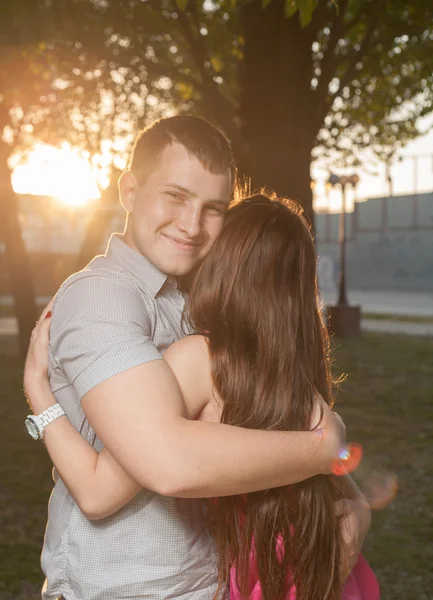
[58, 172]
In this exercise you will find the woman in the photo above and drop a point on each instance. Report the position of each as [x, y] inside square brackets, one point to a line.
[253, 304]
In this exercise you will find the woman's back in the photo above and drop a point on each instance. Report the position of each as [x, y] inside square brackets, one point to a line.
[189, 359]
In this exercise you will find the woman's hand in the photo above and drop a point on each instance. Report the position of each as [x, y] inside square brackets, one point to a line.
[355, 522]
[36, 383]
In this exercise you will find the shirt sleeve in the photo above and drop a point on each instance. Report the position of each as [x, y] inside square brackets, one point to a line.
[101, 326]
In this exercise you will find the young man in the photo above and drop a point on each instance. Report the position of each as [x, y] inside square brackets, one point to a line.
[111, 324]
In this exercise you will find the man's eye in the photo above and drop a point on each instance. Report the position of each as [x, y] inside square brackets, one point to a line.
[174, 195]
[215, 210]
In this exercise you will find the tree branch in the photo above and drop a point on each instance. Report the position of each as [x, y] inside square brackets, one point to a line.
[216, 104]
[319, 19]
[364, 10]
[198, 48]
[357, 56]
[330, 59]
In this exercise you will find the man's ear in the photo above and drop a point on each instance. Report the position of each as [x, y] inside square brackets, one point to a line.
[127, 189]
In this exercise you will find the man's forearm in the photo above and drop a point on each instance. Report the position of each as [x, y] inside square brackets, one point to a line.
[164, 451]
[198, 459]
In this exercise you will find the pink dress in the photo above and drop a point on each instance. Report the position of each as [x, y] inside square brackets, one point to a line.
[361, 584]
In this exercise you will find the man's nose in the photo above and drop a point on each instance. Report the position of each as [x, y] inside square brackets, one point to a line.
[189, 221]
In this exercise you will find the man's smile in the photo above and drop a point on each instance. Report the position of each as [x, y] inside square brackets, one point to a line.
[183, 244]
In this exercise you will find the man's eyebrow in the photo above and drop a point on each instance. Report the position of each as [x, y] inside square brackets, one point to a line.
[218, 201]
[188, 192]
[180, 188]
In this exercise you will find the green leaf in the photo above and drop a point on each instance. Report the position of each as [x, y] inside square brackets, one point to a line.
[185, 91]
[265, 3]
[290, 8]
[306, 9]
[182, 4]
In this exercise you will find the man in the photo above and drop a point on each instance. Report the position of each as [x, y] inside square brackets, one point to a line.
[111, 324]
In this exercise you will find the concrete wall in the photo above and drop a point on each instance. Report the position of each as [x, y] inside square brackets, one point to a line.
[389, 244]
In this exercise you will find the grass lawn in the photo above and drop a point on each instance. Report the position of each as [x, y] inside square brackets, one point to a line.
[387, 403]
[400, 318]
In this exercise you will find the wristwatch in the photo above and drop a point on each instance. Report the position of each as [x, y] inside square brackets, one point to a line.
[36, 424]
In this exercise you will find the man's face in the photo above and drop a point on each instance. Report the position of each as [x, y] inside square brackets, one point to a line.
[178, 212]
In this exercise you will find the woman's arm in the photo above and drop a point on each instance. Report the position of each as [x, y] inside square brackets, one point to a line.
[98, 484]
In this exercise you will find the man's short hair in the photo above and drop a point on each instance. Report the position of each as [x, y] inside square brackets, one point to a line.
[199, 137]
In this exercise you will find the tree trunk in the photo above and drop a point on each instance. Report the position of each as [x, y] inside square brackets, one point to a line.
[16, 256]
[276, 106]
[98, 223]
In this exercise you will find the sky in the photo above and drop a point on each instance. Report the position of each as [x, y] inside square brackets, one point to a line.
[408, 175]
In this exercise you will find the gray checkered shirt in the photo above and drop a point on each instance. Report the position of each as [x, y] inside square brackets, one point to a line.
[119, 312]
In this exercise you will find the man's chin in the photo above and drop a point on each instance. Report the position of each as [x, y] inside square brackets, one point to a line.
[179, 269]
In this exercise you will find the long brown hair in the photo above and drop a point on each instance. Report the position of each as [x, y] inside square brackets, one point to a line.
[256, 296]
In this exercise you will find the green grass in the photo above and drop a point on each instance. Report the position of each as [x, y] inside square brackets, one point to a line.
[25, 484]
[387, 404]
[402, 318]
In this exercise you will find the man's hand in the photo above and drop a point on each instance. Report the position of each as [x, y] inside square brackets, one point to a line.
[333, 431]
[355, 523]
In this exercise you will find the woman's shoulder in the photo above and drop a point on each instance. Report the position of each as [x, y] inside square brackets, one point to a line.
[188, 348]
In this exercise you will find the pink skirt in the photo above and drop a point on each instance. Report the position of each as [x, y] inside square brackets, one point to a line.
[361, 584]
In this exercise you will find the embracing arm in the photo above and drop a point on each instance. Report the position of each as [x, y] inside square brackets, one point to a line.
[95, 480]
[139, 413]
[195, 458]
[99, 485]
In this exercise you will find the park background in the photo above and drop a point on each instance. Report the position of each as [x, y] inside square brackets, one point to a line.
[302, 89]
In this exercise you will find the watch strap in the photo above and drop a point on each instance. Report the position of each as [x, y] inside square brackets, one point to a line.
[49, 415]
[42, 420]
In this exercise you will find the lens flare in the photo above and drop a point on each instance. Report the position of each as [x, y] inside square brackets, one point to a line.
[380, 487]
[348, 460]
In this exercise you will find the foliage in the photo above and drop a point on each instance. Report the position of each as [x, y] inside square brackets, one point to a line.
[383, 76]
[99, 69]
[370, 68]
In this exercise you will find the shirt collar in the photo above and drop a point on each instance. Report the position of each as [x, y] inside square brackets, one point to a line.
[137, 264]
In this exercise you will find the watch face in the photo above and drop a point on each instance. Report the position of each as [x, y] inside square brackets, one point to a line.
[32, 429]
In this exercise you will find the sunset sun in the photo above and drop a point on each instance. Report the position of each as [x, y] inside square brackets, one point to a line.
[57, 172]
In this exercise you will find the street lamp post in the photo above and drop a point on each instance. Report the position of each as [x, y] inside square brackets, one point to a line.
[344, 320]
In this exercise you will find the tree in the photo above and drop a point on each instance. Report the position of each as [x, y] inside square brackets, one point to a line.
[286, 80]
[39, 55]
[22, 85]
[49, 91]
[99, 222]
